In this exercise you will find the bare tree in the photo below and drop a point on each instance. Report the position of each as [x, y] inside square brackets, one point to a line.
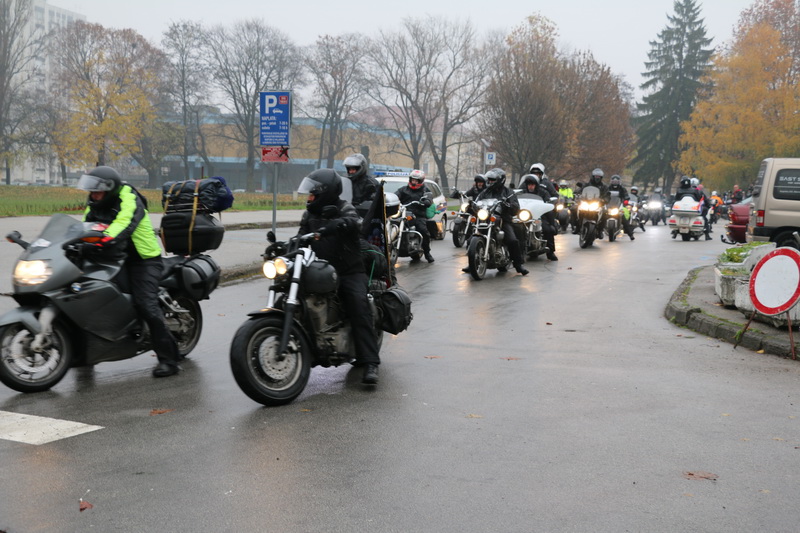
[247, 59]
[182, 43]
[19, 49]
[336, 66]
[434, 71]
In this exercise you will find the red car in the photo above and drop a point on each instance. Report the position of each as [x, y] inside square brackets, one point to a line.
[738, 216]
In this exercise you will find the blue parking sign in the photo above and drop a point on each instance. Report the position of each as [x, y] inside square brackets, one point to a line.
[276, 118]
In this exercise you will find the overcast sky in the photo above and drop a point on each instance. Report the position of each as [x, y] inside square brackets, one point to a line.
[617, 32]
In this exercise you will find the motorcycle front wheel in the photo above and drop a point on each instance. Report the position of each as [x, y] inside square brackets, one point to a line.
[25, 370]
[477, 261]
[459, 232]
[257, 368]
[586, 235]
[185, 327]
[612, 232]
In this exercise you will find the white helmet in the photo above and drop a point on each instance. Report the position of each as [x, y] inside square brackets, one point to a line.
[713, 193]
[695, 182]
[536, 166]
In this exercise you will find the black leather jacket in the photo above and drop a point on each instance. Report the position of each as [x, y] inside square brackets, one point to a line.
[341, 249]
[407, 194]
[364, 189]
[500, 193]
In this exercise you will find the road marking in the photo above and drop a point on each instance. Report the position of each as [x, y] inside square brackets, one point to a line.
[39, 429]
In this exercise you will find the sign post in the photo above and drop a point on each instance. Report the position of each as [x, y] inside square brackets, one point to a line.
[775, 287]
[275, 127]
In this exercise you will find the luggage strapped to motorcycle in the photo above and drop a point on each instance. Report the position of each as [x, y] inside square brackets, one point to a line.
[195, 199]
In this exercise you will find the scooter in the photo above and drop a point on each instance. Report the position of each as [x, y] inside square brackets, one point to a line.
[73, 312]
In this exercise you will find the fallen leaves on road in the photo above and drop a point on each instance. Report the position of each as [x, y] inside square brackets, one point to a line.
[160, 411]
[549, 323]
[433, 357]
[474, 416]
[760, 351]
[700, 475]
[512, 358]
[84, 505]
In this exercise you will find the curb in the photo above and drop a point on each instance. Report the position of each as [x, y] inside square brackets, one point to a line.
[681, 313]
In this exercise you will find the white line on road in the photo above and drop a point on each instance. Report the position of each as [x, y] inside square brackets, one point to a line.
[39, 429]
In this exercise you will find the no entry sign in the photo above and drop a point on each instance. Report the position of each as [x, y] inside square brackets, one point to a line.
[775, 282]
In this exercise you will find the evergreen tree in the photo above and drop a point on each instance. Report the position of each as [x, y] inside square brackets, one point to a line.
[677, 61]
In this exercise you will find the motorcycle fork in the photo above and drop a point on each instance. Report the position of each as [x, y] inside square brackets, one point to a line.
[42, 339]
[288, 308]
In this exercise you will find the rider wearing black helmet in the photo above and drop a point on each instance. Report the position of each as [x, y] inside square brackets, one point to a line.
[616, 185]
[364, 185]
[113, 202]
[495, 188]
[338, 224]
[480, 185]
[416, 191]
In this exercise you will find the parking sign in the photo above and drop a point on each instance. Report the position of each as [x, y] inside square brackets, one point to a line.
[490, 158]
[276, 119]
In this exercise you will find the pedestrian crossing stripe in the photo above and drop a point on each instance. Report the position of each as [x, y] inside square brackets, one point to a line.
[37, 430]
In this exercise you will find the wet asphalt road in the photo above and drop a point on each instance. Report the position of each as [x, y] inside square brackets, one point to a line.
[561, 401]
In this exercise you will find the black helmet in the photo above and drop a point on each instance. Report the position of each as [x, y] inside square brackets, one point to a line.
[528, 179]
[323, 187]
[479, 178]
[686, 182]
[495, 177]
[616, 179]
[101, 179]
[356, 166]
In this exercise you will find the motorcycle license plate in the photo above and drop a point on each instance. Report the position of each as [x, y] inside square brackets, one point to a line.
[684, 230]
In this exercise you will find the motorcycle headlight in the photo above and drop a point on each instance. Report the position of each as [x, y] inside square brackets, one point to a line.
[483, 214]
[614, 211]
[654, 205]
[559, 207]
[635, 208]
[275, 268]
[32, 272]
[464, 207]
[524, 215]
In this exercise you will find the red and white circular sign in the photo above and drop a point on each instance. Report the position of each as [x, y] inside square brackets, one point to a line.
[775, 282]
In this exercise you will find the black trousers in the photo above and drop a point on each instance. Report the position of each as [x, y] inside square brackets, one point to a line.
[353, 294]
[422, 227]
[511, 242]
[143, 277]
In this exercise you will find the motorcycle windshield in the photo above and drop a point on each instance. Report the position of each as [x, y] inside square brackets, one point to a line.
[590, 193]
[615, 200]
[535, 204]
[60, 228]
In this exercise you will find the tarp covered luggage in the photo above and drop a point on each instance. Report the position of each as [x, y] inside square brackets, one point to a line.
[188, 226]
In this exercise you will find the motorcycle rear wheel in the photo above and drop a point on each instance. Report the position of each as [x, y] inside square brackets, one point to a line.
[185, 329]
[477, 262]
[255, 365]
[26, 371]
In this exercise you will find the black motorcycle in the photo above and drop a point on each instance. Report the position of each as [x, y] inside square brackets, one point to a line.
[486, 248]
[303, 323]
[73, 311]
[462, 226]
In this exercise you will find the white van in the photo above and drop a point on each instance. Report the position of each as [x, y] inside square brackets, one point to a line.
[775, 211]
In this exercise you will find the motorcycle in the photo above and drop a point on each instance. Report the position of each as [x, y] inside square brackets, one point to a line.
[686, 219]
[590, 213]
[563, 208]
[655, 209]
[614, 214]
[303, 324]
[73, 312]
[404, 239]
[528, 224]
[636, 220]
[486, 248]
[462, 226]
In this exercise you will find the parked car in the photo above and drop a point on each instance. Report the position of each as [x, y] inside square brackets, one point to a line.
[437, 224]
[738, 216]
[775, 210]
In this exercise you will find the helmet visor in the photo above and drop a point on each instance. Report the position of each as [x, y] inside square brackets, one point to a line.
[90, 183]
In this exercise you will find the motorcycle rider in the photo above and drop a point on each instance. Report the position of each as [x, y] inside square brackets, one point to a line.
[338, 224]
[596, 180]
[565, 190]
[638, 202]
[130, 231]
[495, 188]
[531, 185]
[415, 191]
[478, 187]
[537, 169]
[706, 201]
[616, 185]
[685, 189]
[364, 185]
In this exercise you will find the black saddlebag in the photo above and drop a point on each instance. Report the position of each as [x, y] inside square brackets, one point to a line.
[395, 307]
[200, 276]
[189, 232]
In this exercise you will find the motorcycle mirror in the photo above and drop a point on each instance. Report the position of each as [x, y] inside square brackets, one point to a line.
[14, 236]
[271, 237]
